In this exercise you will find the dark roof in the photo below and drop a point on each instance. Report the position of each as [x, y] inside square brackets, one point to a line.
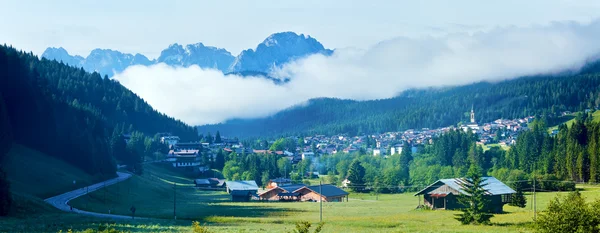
[288, 194]
[329, 190]
[492, 186]
[242, 185]
[291, 187]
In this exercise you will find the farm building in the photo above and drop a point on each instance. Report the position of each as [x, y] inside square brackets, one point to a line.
[242, 191]
[282, 193]
[301, 192]
[330, 193]
[443, 193]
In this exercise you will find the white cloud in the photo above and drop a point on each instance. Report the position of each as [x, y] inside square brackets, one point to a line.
[200, 96]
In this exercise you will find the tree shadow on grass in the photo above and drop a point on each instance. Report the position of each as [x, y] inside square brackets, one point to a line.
[243, 211]
[513, 224]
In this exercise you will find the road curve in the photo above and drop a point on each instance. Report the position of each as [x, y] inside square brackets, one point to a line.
[61, 201]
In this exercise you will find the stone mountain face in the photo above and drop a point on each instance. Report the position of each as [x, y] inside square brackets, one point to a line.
[60, 54]
[109, 62]
[276, 50]
[196, 54]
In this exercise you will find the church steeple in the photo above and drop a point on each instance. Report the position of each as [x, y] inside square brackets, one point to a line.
[472, 115]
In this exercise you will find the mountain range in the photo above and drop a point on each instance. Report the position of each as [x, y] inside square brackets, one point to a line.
[274, 51]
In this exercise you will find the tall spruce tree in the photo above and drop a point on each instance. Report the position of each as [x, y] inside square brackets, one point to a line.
[356, 176]
[518, 199]
[476, 209]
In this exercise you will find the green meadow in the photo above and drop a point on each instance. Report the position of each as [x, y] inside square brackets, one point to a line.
[152, 195]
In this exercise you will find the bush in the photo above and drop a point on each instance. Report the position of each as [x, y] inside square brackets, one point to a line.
[304, 227]
[197, 228]
[570, 214]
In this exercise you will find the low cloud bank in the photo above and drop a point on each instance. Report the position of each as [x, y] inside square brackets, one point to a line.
[201, 96]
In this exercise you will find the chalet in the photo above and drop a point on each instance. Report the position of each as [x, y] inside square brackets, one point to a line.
[188, 146]
[184, 158]
[326, 193]
[301, 192]
[242, 191]
[169, 140]
[443, 194]
[282, 193]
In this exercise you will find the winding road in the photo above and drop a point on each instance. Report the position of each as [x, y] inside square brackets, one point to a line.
[61, 201]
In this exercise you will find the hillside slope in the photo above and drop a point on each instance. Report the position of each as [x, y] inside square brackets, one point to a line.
[70, 114]
[430, 108]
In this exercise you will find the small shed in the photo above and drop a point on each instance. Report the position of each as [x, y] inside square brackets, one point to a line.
[242, 191]
[443, 193]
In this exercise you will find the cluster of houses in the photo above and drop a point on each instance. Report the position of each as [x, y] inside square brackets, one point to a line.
[283, 190]
[440, 195]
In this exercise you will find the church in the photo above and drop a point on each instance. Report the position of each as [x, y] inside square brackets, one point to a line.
[472, 123]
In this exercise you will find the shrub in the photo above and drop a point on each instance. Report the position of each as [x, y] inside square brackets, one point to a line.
[304, 227]
[570, 214]
[197, 228]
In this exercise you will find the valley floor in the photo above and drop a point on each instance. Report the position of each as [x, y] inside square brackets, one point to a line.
[152, 195]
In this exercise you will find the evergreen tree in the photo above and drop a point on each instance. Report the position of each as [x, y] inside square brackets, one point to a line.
[518, 199]
[356, 176]
[219, 160]
[209, 138]
[218, 137]
[476, 209]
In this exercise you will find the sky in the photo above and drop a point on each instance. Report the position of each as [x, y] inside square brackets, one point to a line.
[382, 47]
[148, 26]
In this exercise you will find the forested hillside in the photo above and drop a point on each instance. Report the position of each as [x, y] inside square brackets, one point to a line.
[430, 108]
[70, 114]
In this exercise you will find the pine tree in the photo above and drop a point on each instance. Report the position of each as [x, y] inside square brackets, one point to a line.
[476, 205]
[218, 137]
[356, 176]
[518, 199]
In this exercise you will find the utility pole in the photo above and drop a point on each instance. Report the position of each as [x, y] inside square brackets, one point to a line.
[321, 201]
[534, 200]
[175, 200]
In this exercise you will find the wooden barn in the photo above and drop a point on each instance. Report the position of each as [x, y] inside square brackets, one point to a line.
[443, 193]
[326, 193]
[301, 192]
[282, 193]
[242, 191]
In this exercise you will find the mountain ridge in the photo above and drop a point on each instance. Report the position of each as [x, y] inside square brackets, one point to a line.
[276, 50]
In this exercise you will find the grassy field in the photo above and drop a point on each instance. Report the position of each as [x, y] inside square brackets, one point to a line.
[152, 195]
[31, 172]
[571, 120]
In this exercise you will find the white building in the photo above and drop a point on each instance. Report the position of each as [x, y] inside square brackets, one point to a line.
[308, 155]
[396, 149]
[169, 140]
[376, 152]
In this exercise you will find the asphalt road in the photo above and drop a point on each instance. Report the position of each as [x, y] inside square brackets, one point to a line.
[61, 201]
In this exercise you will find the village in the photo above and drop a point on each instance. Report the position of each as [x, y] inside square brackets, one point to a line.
[500, 132]
[440, 195]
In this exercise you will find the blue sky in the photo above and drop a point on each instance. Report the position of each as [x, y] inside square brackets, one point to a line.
[147, 26]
